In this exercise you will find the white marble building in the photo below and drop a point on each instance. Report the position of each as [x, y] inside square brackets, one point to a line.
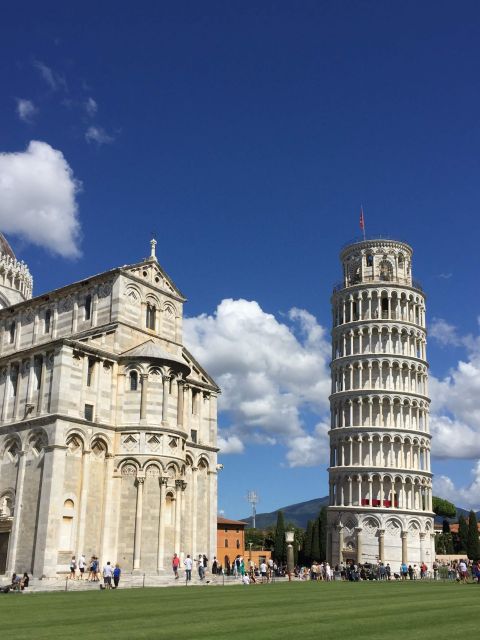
[380, 480]
[108, 425]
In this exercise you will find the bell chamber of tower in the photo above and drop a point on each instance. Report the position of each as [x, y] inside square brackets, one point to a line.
[380, 484]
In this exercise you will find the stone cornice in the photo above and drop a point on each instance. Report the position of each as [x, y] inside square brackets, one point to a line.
[376, 322]
[354, 394]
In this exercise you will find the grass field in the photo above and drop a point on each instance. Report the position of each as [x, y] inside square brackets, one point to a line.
[408, 610]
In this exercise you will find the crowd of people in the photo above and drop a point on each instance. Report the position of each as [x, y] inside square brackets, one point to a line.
[109, 573]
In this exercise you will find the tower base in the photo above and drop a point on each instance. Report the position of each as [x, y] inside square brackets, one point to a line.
[380, 535]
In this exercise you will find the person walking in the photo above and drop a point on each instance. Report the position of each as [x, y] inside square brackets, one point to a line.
[81, 566]
[214, 565]
[116, 576]
[107, 575]
[73, 567]
[188, 567]
[200, 567]
[175, 565]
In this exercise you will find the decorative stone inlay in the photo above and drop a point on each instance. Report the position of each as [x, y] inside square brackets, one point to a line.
[129, 470]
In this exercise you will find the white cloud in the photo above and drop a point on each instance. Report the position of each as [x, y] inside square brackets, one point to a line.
[54, 80]
[467, 497]
[91, 107]
[445, 333]
[98, 135]
[455, 418]
[38, 198]
[26, 110]
[310, 450]
[269, 371]
[230, 444]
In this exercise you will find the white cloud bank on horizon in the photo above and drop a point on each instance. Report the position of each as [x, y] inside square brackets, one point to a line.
[38, 198]
[467, 497]
[455, 413]
[269, 372]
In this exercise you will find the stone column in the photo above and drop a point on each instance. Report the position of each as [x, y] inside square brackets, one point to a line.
[161, 525]
[143, 396]
[178, 514]
[405, 546]
[166, 384]
[6, 391]
[340, 543]
[50, 511]
[82, 507]
[359, 481]
[138, 524]
[17, 513]
[359, 544]
[107, 519]
[422, 547]
[381, 544]
[180, 384]
[350, 495]
[182, 515]
[194, 514]
[31, 375]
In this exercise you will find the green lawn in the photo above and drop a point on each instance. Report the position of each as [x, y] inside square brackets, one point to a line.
[380, 611]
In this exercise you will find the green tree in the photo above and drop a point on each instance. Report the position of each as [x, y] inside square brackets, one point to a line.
[316, 541]
[444, 544]
[472, 537]
[323, 533]
[445, 526]
[462, 534]
[279, 547]
[307, 545]
[444, 508]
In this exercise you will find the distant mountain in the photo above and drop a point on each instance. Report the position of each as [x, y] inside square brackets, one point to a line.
[299, 514]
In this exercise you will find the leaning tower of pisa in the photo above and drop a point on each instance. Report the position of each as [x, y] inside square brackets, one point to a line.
[379, 475]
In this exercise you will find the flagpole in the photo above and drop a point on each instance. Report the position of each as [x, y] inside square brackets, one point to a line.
[362, 222]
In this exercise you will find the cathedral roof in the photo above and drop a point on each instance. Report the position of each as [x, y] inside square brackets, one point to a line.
[151, 350]
[5, 248]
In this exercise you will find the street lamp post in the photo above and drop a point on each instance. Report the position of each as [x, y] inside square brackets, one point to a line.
[289, 538]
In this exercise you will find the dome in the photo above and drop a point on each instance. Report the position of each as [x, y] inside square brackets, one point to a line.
[5, 248]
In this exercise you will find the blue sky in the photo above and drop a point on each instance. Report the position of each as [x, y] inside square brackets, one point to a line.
[246, 135]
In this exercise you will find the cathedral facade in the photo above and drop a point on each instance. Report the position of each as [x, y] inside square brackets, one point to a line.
[108, 425]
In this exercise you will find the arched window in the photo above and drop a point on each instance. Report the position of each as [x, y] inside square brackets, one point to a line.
[150, 316]
[12, 332]
[88, 307]
[386, 270]
[369, 260]
[238, 544]
[226, 543]
[133, 380]
[48, 318]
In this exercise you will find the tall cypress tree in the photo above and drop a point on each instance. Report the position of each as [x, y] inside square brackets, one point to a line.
[280, 552]
[472, 537]
[323, 533]
[316, 541]
[307, 544]
[462, 533]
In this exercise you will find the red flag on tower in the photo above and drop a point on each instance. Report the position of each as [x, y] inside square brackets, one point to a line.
[362, 222]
